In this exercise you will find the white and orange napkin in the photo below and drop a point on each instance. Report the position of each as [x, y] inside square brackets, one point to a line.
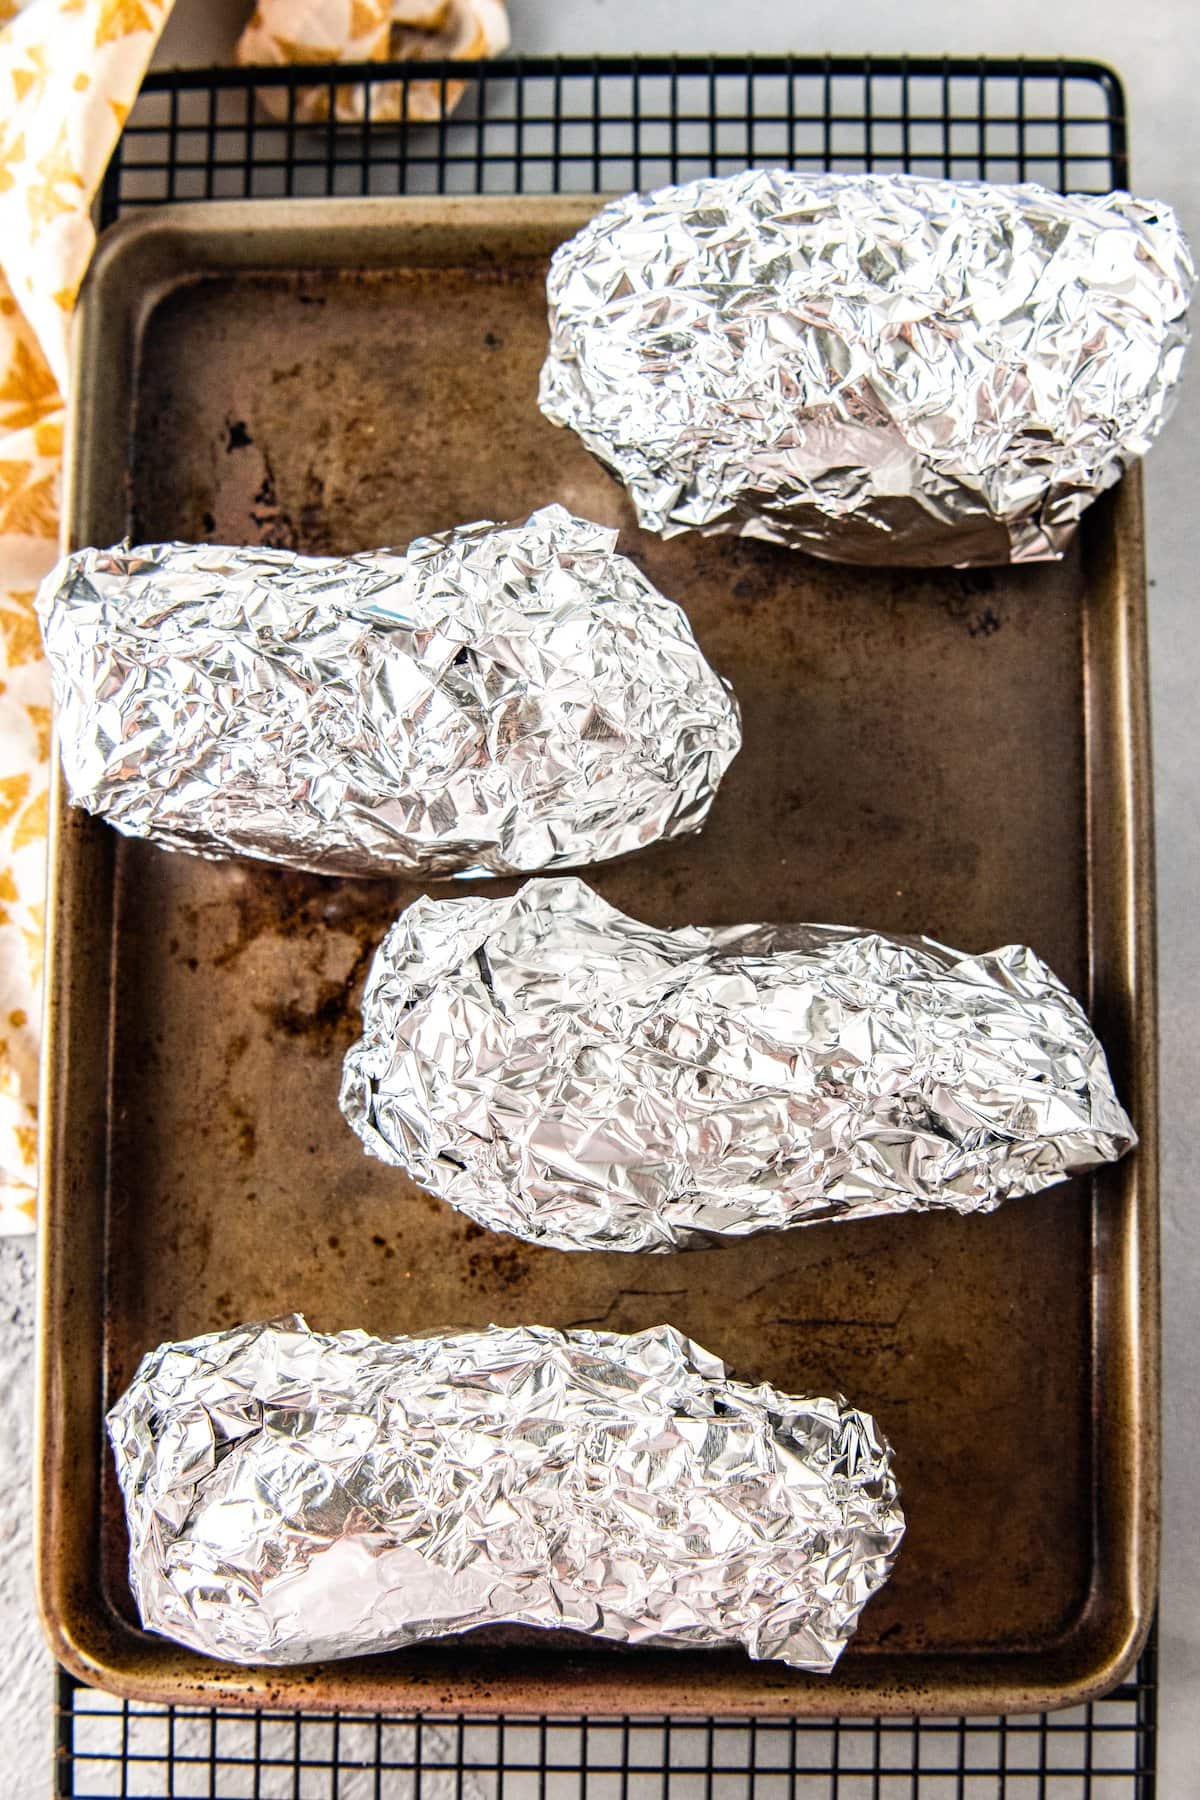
[69, 73]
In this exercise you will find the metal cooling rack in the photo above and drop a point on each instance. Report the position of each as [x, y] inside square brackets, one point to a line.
[579, 124]
[599, 125]
[109, 1747]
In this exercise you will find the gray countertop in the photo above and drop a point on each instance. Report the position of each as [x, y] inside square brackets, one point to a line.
[1156, 50]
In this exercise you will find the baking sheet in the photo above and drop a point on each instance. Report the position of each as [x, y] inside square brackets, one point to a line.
[958, 753]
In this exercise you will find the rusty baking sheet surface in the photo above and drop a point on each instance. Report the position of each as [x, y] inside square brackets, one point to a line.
[955, 753]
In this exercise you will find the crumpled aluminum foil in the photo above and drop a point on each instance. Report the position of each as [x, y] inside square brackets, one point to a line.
[562, 1072]
[874, 368]
[293, 1496]
[494, 699]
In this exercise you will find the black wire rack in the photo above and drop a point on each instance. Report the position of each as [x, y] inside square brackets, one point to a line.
[586, 124]
[602, 125]
[107, 1747]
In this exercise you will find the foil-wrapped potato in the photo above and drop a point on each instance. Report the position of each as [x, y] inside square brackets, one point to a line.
[560, 1071]
[492, 700]
[293, 1496]
[874, 368]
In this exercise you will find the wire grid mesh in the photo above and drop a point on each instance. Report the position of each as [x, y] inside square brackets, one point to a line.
[589, 125]
[598, 125]
[108, 1748]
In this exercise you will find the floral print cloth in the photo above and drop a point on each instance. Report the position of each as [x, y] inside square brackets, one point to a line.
[69, 73]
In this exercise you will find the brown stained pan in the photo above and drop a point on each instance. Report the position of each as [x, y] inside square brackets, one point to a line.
[962, 754]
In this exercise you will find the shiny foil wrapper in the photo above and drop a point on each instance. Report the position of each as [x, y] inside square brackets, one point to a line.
[293, 1496]
[562, 1072]
[492, 700]
[874, 368]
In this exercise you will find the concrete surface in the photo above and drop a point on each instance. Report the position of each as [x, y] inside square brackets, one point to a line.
[1156, 49]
